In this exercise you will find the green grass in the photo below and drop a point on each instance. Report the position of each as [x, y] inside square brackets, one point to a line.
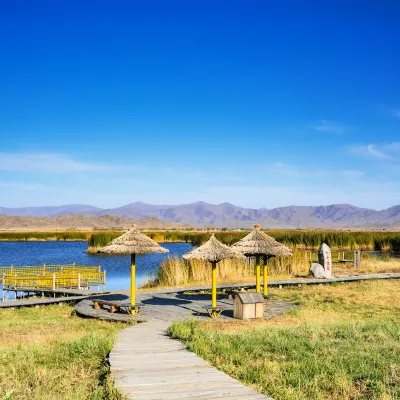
[47, 353]
[309, 239]
[342, 343]
[61, 236]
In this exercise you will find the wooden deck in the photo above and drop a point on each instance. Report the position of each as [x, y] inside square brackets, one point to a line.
[39, 302]
[147, 365]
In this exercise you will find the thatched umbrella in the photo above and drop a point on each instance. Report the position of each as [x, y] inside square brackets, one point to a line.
[133, 242]
[213, 251]
[258, 243]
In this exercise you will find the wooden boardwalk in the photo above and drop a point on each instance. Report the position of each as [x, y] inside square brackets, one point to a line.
[147, 365]
[39, 302]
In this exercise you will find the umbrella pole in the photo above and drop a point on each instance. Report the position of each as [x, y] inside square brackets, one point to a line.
[258, 275]
[133, 283]
[265, 277]
[214, 286]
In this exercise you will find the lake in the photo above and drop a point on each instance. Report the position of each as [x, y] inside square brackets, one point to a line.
[117, 267]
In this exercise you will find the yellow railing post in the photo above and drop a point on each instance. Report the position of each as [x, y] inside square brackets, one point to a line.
[265, 277]
[133, 281]
[258, 275]
[214, 286]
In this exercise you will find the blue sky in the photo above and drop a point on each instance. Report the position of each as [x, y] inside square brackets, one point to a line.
[258, 103]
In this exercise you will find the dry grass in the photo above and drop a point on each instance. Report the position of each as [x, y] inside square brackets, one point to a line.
[175, 272]
[342, 343]
[46, 353]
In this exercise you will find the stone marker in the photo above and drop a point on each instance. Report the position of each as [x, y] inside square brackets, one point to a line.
[325, 259]
[357, 258]
[317, 270]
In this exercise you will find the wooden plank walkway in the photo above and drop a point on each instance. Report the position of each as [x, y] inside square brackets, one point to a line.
[147, 365]
[58, 291]
[39, 302]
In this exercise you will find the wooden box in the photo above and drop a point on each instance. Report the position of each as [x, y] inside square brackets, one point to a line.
[248, 306]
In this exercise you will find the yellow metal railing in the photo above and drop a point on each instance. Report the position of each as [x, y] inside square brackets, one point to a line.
[54, 280]
[48, 268]
[52, 276]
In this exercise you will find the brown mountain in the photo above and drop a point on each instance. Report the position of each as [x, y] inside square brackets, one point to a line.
[80, 222]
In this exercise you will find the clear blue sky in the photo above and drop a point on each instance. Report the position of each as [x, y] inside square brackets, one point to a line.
[258, 103]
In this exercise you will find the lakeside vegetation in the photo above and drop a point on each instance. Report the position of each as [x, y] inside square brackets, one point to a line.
[176, 272]
[44, 236]
[48, 354]
[341, 343]
[306, 239]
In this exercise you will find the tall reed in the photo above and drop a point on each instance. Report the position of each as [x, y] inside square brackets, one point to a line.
[174, 271]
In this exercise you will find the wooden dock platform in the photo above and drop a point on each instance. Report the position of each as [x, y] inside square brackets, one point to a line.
[39, 302]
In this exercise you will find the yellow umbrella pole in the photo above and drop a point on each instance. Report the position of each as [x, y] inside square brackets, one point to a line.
[258, 275]
[214, 286]
[265, 277]
[133, 282]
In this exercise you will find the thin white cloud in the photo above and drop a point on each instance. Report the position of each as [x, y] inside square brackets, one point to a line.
[50, 163]
[385, 151]
[330, 127]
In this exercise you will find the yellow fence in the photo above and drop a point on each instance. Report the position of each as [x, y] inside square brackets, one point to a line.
[52, 276]
[48, 268]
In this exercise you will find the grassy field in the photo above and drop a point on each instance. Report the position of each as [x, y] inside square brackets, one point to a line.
[343, 342]
[48, 354]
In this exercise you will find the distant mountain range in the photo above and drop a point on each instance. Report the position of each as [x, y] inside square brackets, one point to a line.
[227, 215]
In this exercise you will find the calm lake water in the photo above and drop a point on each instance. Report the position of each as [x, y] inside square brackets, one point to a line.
[117, 267]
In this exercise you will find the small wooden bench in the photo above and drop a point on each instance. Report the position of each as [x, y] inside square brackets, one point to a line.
[116, 306]
[214, 312]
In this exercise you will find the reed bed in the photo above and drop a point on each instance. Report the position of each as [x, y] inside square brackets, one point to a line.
[39, 236]
[176, 272]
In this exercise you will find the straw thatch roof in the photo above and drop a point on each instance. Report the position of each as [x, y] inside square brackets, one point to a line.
[213, 251]
[133, 242]
[258, 243]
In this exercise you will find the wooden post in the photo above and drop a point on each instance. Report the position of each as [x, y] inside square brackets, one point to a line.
[214, 286]
[258, 275]
[79, 280]
[265, 277]
[133, 281]
[54, 281]
[44, 268]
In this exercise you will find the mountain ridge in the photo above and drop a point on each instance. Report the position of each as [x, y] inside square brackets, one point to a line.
[228, 215]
